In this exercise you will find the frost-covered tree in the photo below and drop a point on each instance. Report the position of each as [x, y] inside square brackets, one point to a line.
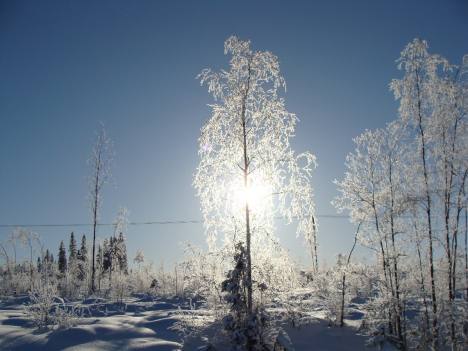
[62, 259]
[248, 173]
[105, 255]
[416, 91]
[46, 260]
[432, 96]
[406, 183]
[100, 162]
[113, 256]
[29, 240]
[123, 260]
[120, 229]
[99, 264]
[73, 283]
[82, 260]
[4, 253]
[246, 329]
[343, 279]
[139, 258]
[374, 192]
[72, 248]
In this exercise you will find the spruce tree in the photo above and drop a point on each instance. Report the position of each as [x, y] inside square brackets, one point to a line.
[39, 264]
[106, 259]
[62, 259]
[247, 329]
[82, 259]
[72, 249]
[84, 249]
[122, 254]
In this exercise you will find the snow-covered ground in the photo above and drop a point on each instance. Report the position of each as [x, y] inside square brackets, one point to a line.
[146, 324]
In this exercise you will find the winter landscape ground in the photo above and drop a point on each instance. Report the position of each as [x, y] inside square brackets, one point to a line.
[147, 323]
[234, 239]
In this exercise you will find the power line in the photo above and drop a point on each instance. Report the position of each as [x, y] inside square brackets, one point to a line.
[188, 221]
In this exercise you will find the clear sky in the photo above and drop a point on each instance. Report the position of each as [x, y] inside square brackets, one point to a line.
[66, 65]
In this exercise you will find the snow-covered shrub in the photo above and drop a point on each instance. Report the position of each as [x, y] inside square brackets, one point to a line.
[42, 301]
[375, 321]
[328, 288]
[46, 308]
[65, 317]
[120, 287]
[275, 276]
[20, 282]
[202, 273]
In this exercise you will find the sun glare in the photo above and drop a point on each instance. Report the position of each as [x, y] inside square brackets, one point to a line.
[256, 195]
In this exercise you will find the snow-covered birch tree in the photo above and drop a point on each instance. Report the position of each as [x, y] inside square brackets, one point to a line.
[431, 96]
[248, 172]
[416, 92]
[407, 184]
[371, 192]
[100, 162]
[28, 239]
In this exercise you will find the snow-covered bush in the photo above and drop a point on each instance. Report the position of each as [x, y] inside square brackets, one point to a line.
[141, 279]
[202, 274]
[42, 299]
[120, 287]
[66, 317]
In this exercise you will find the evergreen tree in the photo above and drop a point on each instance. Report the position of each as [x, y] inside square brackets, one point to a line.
[122, 254]
[72, 249]
[39, 264]
[247, 329]
[109, 256]
[106, 259]
[82, 259]
[83, 249]
[62, 259]
[47, 257]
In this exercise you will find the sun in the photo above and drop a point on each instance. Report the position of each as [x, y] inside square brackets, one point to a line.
[256, 194]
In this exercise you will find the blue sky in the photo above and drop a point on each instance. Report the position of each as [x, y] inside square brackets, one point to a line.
[66, 65]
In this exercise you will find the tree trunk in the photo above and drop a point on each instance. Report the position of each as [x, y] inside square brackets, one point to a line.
[435, 328]
[315, 255]
[95, 215]
[466, 254]
[30, 264]
[395, 259]
[343, 281]
[246, 187]
[421, 275]
[384, 256]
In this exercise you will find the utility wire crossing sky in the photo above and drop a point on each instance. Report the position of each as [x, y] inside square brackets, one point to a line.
[181, 221]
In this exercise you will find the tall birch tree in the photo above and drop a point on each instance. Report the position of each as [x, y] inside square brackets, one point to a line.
[248, 173]
[100, 162]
